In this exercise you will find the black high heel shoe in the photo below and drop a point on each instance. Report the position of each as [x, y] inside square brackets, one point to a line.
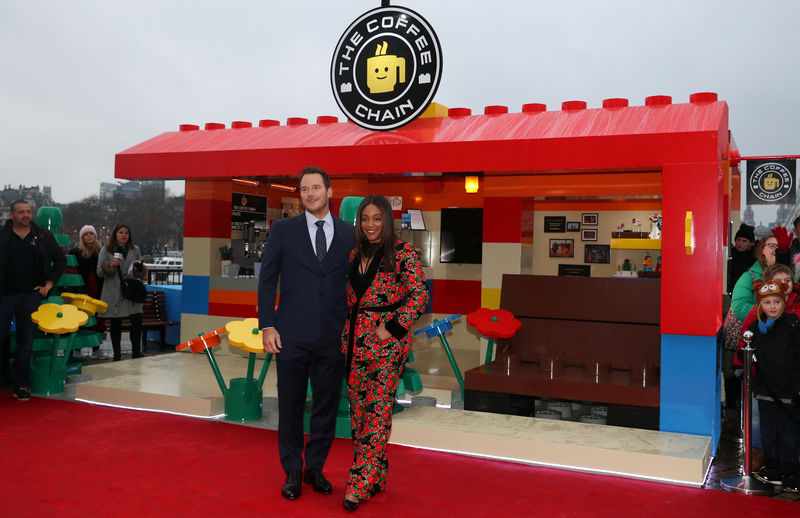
[350, 505]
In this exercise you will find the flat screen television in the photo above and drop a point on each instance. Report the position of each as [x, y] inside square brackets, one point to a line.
[461, 236]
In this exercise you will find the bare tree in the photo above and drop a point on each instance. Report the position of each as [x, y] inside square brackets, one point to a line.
[156, 219]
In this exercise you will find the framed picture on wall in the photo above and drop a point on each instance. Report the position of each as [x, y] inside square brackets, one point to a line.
[573, 226]
[589, 218]
[555, 223]
[417, 222]
[598, 254]
[562, 248]
[574, 270]
[589, 234]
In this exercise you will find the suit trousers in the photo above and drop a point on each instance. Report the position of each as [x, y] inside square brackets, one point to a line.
[323, 365]
[19, 306]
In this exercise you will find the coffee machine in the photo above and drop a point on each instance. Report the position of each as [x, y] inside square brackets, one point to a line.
[248, 249]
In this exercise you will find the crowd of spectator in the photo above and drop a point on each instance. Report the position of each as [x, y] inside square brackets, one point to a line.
[761, 281]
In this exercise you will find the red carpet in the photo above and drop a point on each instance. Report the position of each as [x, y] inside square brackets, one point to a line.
[71, 459]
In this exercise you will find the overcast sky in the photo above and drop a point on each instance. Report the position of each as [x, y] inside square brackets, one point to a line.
[83, 80]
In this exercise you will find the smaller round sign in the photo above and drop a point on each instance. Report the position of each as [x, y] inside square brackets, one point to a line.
[771, 182]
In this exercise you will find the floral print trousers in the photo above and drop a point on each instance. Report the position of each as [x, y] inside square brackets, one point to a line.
[372, 385]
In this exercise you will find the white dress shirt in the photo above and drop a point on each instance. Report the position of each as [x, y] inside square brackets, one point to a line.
[311, 223]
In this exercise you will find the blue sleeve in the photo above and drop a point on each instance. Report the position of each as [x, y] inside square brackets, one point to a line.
[268, 277]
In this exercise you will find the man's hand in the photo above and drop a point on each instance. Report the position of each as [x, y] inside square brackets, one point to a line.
[44, 290]
[271, 340]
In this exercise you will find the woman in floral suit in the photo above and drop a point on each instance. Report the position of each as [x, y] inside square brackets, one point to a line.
[386, 294]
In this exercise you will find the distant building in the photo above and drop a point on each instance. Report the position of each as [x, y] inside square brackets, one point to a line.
[36, 196]
[748, 216]
[762, 230]
[130, 189]
[107, 190]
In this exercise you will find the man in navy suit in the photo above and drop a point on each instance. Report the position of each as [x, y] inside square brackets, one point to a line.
[309, 254]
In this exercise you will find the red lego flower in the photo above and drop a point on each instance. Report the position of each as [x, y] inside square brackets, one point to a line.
[494, 323]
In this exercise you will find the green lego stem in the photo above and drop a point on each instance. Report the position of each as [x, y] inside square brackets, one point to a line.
[70, 344]
[489, 351]
[264, 367]
[251, 365]
[453, 363]
[217, 373]
[490, 347]
[54, 354]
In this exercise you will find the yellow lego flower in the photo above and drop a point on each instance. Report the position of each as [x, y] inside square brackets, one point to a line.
[59, 318]
[85, 303]
[245, 335]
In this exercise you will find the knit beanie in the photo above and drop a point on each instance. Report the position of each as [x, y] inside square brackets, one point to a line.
[85, 229]
[764, 289]
[769, 289]
[746, 231]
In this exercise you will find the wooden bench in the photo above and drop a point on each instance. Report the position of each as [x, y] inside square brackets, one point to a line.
[582, 338]
[154, 317]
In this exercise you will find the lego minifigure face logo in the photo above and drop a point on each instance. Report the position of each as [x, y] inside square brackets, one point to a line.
[384, 71]
[770, 182]
[386, 68]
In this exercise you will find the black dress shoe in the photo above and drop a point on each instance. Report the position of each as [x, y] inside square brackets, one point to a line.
[349, 505]
[317, 480]
[293, 485]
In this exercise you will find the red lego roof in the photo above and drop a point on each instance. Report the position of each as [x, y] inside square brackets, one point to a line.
[614, 137]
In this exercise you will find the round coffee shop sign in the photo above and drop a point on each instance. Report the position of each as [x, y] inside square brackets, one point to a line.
[386, 68]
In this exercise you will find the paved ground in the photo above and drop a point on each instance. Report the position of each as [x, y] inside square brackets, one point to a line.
[728, 461]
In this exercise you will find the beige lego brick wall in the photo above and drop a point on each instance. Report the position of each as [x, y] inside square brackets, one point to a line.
[608, 221]
[201, 255]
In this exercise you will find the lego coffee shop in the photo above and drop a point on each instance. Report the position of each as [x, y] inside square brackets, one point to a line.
[593, 225]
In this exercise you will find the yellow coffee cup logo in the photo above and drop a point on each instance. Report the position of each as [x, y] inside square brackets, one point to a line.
[384, 71]
[771, 182]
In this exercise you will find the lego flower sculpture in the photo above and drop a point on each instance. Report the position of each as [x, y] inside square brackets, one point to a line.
[245, 335]
[493, 324]
[59, 319]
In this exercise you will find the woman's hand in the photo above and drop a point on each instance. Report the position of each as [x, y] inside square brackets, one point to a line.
[381, 334]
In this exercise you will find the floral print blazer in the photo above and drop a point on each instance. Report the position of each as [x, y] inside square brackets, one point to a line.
[404, 288]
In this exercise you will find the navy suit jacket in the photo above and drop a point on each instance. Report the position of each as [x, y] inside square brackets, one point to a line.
[312, 306]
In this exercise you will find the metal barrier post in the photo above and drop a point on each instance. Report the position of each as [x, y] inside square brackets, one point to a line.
[746, 483]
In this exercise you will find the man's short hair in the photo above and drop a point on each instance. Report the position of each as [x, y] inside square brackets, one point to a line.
[14, 205]
[312, 169]
[796, 221]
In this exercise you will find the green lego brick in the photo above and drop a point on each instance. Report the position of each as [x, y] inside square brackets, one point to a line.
[70, 279]
[412, 380]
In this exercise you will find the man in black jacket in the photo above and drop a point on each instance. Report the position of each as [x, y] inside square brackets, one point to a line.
[741, 258]
[26, 275]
